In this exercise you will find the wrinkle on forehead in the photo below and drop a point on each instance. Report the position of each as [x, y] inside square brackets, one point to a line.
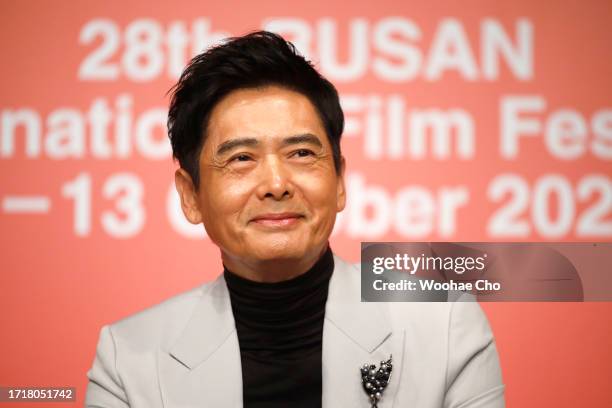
[262, 112]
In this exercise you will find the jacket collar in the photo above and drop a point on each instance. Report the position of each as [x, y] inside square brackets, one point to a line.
[354, 333]
[365, 323]
[212, 320]
[210, 325]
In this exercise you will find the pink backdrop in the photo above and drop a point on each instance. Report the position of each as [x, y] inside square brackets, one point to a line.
[472, 121]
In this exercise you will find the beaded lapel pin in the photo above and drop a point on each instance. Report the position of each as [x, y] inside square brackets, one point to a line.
[375, 380]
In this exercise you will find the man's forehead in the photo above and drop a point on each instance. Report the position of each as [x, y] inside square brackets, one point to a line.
[244, 102]
[263, 116]
[270, 107]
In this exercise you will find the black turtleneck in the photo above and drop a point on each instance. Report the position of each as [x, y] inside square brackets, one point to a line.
[280, 330]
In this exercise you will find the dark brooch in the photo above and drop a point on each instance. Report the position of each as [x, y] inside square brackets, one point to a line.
[375, 381]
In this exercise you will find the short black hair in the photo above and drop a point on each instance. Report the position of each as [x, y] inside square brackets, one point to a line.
[255, 60]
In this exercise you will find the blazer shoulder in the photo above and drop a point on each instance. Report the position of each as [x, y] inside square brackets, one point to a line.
[161, 323]
[434, 318]
[418, 316]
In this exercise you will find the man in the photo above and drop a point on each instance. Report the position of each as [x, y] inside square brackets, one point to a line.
[256, 131]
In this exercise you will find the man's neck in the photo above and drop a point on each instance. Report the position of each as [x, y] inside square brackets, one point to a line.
[272, 270]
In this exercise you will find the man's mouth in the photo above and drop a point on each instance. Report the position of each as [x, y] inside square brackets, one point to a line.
[285, 219]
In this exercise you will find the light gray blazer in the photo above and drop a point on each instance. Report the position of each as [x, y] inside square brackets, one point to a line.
[184, 352]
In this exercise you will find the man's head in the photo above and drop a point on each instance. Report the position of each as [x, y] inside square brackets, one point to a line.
[256, 131]
[252, 61]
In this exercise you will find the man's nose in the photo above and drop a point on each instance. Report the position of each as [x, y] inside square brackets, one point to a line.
[275, 179]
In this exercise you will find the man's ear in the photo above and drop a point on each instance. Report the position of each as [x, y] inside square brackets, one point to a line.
[340, 187]
[189, 198]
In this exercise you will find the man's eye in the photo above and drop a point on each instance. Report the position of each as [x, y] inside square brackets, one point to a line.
[241, 158]
[304, 153]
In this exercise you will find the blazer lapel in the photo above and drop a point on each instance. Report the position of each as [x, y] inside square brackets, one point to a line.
[203, 367]
[356, 333]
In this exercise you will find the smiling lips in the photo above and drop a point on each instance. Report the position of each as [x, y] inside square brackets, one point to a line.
[277, 219]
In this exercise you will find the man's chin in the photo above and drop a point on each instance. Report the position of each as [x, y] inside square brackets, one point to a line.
[278, 254]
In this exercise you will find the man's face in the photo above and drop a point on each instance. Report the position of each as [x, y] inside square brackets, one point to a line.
[268, 187]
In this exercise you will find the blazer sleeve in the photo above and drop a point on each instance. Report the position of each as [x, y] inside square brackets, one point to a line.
[105, 389]
[473, 374]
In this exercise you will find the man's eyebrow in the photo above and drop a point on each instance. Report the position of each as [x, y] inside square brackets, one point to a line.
[251, 142]
[233, 143]
[304, 138]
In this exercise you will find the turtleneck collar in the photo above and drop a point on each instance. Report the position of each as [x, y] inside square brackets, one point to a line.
[281, 316]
